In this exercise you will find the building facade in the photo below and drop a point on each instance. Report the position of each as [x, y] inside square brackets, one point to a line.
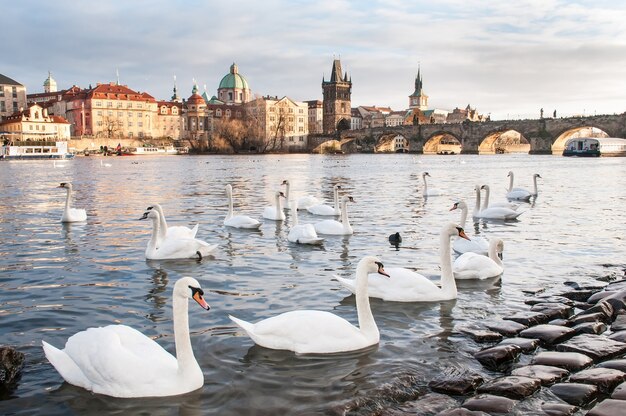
[316, 116]
[282, 122]
[196, 120]
[168, 120]
[35, 124]
[12, 96]
[337, 94]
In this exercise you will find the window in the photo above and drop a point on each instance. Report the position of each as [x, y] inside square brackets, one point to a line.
[139, 105]
[130, 134]
[99, 113]
[141, 134]
[164, 110]
[110, 113]
[139, 115]
[98, 104]
[227, 113]
[140, 124]
[119, 104]
[1, 91]
[301, 111]
[130, 124]
[230, 96]
[110, 104]
[218, 112]
[120, 114]
[129, 105]
[174, 110]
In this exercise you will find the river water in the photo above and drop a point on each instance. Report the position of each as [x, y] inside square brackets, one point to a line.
[58, 279]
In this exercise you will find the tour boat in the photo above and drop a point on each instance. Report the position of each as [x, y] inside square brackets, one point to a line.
[595, 146]
[154, 150]
[30, 150]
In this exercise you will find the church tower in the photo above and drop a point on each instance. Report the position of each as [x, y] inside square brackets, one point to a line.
[337, 113]
[49, 85]
[418, 99]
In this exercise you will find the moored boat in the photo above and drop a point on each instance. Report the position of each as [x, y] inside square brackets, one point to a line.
[30, 150]
[595, 147]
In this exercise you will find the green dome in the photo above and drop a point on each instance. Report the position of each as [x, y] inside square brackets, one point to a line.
[233, 79]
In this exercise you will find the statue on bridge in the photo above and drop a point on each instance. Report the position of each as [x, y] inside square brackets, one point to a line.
[541, 113]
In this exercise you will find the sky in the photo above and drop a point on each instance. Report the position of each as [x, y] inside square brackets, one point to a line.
[507, 58]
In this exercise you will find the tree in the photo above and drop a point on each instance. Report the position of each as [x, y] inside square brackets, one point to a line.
[111, 127]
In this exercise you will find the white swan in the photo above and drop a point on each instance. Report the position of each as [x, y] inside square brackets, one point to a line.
[495, 213]
[71, 214]
[302, 233]
[334, 227]
[323, 209]
[104, 165]
[405, 285]
[176, 231]
[319, 332]
[238, 221]
[460, 245]
[304, 202]
[476, 266]
[173, 248]
[428, 192]
[486, 203]
[120, 361]
[276, 212]
[518, 194]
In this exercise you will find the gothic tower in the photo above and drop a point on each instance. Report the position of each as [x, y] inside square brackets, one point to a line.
[418, 99]
[337, 113]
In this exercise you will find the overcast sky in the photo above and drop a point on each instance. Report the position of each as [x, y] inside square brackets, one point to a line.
[507, 58]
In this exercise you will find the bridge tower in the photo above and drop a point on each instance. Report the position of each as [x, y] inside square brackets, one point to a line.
[418, 99]
[337, 113]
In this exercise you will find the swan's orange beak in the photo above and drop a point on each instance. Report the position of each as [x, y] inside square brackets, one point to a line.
[381, 269]
[198, 298]
[463, 235]
[453, 208]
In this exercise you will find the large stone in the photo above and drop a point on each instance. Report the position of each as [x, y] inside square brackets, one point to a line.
[617, 301]
[527, 345]
[506, 328]
[604, 308]
[548, 334]
[590, 328]
[576, 394]
[619, 392]
[618, 336]
[558, 409]
[528, 318]
[549, 299]
[513, 387]
[589, 317]
[598, 347]
[578, 295]
[616, 286]
[619, 324]
[599, 296]
[482, 335]
[428, 404]
[498, 358]
[460, 411]
[606, 379]
[456, 383]
[609, 407]
[546, 374]
[553, 310]
[571, 361]
[490, 404]
[614, 364]
[11, 364]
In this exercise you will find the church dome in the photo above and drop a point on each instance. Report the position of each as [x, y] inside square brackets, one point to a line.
[234, 79]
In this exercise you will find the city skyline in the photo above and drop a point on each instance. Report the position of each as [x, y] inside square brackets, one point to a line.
[508, 61]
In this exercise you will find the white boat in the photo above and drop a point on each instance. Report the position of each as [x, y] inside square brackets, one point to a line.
[152, 150]
[30, 150]
[595, 146]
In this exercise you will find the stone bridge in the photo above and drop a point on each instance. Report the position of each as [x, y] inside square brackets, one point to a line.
[545, 135]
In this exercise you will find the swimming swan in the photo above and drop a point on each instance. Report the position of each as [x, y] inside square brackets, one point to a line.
[521, 194]
[120, 361]
[460, 245]
[176, 231]
[486, 203]
[476, 266]
[238, 221]
[104, 165]
[71, 214]
[276, 212]
[173, 248]
[302, 233]
[304, 202]
[334, 227]
[428, 192]
[405, 285]
[495, 213]
[323, 209]
[319, 332]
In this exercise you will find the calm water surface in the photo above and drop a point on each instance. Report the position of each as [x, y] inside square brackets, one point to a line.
[59, 279]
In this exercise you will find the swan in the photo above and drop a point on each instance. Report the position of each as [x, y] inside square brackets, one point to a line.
[405, 285]
[304, 233]
[335, 227]
[495, 213]
[520, 194]
[460, 245]
[105, 165]
[304, 202]
[276, 212]
[120, 361]
[323, 209]
[238, 221]
[428, 192]
[173, 248]
[486, 203]
[71, 214]
[176, 231]
[476, 266]
[319, 332]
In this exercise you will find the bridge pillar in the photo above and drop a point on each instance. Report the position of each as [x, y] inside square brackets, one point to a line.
[540, 145]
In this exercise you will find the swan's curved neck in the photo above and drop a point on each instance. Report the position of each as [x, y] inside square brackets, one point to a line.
[230, 204]
[67, 199]
[463, 216]
[493, 253]
[535, 185]
[336, 201]
[162, 223]
[425, 184]
[367, 325]
[486, 201]
[287, 191]
[448, 284]
[184, 352]
[277, 205]
[477, 205]
[155, 237]
[510, 181]
[344, 215]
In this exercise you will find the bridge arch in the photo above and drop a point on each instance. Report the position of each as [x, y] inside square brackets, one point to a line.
[504, 141]
[442, 142]
[585, 131]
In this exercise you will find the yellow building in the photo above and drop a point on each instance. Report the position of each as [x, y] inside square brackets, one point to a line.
[34, 124]
[282, 122]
